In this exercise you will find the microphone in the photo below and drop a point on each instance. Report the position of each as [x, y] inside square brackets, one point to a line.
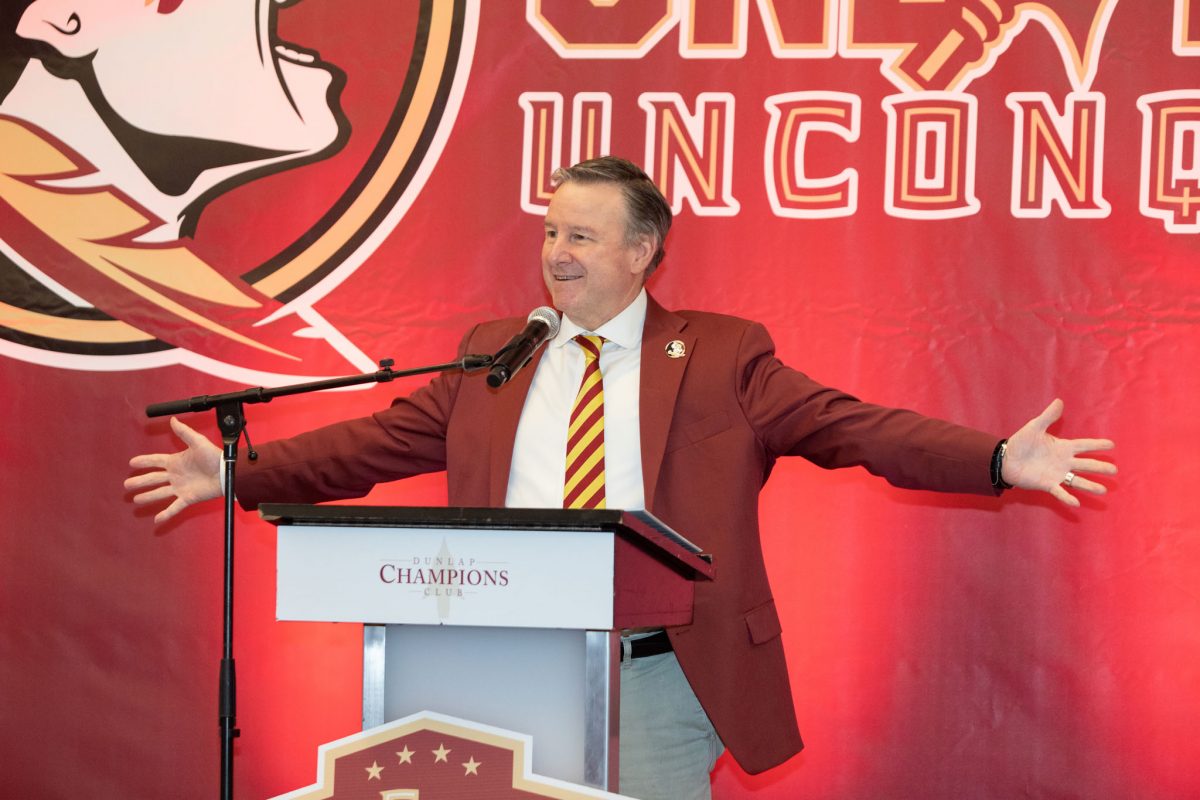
[542, 324]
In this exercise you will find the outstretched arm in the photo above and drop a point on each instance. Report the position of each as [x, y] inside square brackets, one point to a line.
[1036, 460]
[189, 476]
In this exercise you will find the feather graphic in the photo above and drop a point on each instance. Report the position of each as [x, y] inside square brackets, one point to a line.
[944, 45]
[90, 239]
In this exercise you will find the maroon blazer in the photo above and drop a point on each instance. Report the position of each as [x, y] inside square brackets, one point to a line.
[713, 422]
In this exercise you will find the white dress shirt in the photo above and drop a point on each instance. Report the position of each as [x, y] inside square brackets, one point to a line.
[538, 470]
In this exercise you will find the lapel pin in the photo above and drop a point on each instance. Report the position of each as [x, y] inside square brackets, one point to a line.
[675, 349]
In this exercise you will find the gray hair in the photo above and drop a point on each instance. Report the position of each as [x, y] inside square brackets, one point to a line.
[648, 212]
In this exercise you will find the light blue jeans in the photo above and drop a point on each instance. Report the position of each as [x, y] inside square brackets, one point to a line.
[668, 745]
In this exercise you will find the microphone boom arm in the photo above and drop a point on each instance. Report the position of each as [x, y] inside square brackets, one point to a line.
[260, 394]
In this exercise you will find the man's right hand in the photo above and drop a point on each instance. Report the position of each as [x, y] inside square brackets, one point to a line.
[189, 476]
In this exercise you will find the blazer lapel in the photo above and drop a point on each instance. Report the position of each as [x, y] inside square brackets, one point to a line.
[661, 377]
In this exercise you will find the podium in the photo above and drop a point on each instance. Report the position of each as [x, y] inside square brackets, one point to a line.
[509, 617]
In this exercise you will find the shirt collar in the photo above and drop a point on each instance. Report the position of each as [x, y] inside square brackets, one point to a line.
[623, 330]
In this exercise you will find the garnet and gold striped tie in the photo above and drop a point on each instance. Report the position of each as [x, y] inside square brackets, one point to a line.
[584, 487]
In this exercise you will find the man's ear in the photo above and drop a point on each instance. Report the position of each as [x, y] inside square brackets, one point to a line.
[78, 28]
[644, 251]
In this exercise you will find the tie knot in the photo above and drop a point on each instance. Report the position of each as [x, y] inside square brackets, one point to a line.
[591, 345]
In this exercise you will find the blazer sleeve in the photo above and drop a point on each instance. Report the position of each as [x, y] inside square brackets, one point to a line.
[346, 459]
[795, 415]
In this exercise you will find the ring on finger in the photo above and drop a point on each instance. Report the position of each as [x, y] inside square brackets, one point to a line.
[1069, 479]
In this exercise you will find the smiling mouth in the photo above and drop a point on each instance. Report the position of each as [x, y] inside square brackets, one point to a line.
[288, 51]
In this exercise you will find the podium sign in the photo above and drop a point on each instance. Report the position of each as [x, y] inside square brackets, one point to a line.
[508, 617]
[436, 576]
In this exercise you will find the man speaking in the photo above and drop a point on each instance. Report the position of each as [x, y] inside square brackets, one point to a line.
[629, 405]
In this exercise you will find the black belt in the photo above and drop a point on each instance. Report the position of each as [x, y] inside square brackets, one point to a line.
[653, 645]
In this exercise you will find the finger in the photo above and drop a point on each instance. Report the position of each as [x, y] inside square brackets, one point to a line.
[1094, 465]
[1064, 497]
[154, 495]
[1051, 415]
[169, 511]
[146, 479]
[1091, 445]
[1084, 485]
[149, 460]
[189, 436]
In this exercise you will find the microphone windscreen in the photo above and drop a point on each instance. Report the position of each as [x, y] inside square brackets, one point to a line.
[547, 315]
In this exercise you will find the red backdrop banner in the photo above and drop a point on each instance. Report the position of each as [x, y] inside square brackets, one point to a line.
[966, 208]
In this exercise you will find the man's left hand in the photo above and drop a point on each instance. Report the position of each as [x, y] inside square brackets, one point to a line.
[1037, 460]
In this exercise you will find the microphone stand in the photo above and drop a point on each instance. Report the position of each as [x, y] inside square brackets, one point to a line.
[231, 420]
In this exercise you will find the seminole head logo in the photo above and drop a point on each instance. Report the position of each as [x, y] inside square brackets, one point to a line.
[181, 180]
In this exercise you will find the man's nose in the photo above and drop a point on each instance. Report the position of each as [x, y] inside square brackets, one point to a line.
[560, 252]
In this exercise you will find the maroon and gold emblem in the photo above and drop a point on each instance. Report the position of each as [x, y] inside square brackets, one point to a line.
[433, 756]
[181, 180]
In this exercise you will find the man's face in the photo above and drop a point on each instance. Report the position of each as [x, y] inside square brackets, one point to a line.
[205, 69]
[592, 271]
